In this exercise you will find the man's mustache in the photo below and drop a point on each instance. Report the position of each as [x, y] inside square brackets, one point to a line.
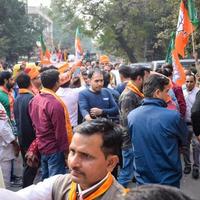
[76, 170]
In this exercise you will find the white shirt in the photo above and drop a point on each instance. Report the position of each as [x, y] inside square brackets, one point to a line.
[82, 192]
[6, 137]
[189, 99]
[70, 98]
[40, 191]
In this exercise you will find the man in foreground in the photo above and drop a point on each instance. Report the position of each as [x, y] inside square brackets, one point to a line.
[93, 154]
[157, 134]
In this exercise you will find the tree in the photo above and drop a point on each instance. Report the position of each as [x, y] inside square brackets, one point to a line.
[167, 24]
[133, 29]
[18, 31]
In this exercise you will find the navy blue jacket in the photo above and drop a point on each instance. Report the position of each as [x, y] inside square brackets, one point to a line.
[23, 121]
[102, 100]
[157, 134]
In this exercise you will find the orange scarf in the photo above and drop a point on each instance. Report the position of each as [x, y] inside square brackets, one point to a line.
[11, 101]
[106, 185]
[67, 120]
[134, 89]
[24, 91]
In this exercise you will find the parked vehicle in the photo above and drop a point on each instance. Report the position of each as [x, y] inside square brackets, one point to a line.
[185, 62]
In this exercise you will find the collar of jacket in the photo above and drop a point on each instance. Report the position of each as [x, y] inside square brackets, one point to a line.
[154, 101]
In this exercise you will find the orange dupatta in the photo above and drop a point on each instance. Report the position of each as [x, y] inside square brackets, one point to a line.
[134, 89]
[24, 91]
[67, 120]
[104, 187]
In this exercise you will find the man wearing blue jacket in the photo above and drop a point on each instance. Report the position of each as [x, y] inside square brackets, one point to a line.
[157, 134]
[97, 101]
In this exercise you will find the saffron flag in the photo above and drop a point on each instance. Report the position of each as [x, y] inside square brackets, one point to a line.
[45, 55]
[187, 21]
[173, 58]
[78, 48]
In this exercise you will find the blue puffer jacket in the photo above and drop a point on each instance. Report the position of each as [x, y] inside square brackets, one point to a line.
[157, 133]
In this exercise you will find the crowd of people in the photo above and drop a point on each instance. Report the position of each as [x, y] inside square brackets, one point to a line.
[91, 135]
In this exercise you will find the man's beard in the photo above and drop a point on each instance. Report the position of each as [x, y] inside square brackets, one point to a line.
[9, 86]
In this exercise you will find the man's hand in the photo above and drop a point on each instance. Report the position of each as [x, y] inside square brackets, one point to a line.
[95, 112]
[88, 118]
[16, 148]
[32, 159]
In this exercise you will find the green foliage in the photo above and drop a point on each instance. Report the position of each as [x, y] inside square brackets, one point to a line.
[18, 31]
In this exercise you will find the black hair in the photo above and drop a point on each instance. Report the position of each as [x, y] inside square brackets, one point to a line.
[65, 85]
[154, 192]
[154, 82]
[167, 71]
[111, 134]
[193, 75]
[4, 75]
[75, 82]
[138, 71]
[106, 79]
[94, 71]
[49, 78]
[84, 73]
[167, 65]
[125, 71]
[23, 80]
[48, 68]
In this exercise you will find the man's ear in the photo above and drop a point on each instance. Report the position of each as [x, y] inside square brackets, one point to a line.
[156, 94]
[5, 81]
[112, 161]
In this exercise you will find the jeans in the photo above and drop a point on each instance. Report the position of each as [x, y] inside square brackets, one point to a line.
[53, 164]
[126, 173]
[195, 149]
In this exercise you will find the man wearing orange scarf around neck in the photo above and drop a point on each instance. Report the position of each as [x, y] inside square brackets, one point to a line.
[51, 122]
[93, 154]
[129, 100]
[26, 132]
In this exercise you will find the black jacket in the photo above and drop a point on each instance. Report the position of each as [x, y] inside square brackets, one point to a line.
[25, 129]
[195, 115]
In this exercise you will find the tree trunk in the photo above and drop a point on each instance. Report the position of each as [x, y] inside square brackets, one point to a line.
[124, 45]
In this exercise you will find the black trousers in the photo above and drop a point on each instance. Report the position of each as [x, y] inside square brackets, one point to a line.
[29, 173]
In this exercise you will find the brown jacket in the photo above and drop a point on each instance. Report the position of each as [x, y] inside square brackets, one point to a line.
[61, 189]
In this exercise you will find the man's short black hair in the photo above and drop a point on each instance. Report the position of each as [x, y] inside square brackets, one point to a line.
[94, 71]
[154, 192]
[191, 74]
[106, 79]
[154, 82]
[4, 75]
[167, 71]
[23, 80]
[49, 78]
[111, 134]
[138, 71]
[125, 71]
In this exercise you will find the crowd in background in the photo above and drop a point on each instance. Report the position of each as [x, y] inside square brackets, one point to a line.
[41, 106]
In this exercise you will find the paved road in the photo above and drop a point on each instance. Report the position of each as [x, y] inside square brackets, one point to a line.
[189, 186]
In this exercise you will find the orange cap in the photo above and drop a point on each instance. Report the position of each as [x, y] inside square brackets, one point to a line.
[32, 72]
[104, 59]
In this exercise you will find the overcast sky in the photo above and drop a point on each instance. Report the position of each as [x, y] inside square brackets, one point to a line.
[38, 2]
